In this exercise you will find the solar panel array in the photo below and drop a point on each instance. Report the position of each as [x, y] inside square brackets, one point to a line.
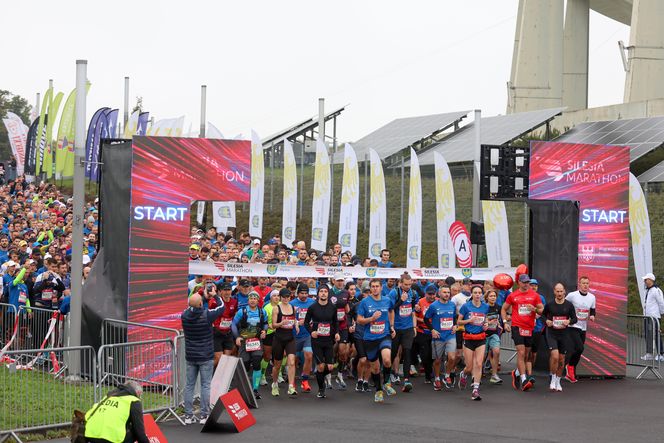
[653, 175]
[401, 133]
[642, 135]
[498, 130]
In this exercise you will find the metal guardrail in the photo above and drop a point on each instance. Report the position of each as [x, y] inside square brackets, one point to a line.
[39, 394]
[152, 363]
[506, 344]
[644, 344]
[7, 322]
[121, 331]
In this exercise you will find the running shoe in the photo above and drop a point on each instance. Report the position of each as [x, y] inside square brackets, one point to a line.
[427, 381]
[358, 386]
[189, 419]
[437, 385]
[275, 389]
[280, 379]
[378, 396]
[263, 381]
[526, 385]
[389, 390]
[495, 380]
[305, 386]
[291, 390]
[448, 382]
[552, 386]
[365, 386]
[321, 393]
[257, 394]
[476, 394]
[413, 371]
[463, 380]
[570, 375]
[648, 357]
[531, 379]
[514, 380]
[340, 381]
[393, 379]
[407, 386]
[203, 419]
[559, 388]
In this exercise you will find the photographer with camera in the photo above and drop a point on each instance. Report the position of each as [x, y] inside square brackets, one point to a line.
[199, 348]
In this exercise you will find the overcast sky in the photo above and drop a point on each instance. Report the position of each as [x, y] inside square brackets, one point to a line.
[267, 62]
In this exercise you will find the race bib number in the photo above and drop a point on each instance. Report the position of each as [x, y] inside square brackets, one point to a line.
[323, 329]
[476, 319]
[492, 324]
[405, 310]
[301, 313]
[225, 323]
[22, 297]
[252, 344]
[525, 332]
[47, 295]
[524, 310]
[559, 322]
[341, 314]
[288, 323]
[446, 324]
[582, 314]
[377, 327]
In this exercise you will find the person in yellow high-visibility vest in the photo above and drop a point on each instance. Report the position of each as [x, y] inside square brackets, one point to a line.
[118, 418]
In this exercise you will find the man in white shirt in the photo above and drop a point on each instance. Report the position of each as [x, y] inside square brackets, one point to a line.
[584, 305]
[653, 308]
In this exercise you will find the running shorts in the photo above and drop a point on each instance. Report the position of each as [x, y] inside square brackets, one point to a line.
[323, 352]
[521, 338]
[223, 342]
[373, 347]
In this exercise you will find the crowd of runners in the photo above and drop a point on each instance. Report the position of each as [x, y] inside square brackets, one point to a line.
[382, 333]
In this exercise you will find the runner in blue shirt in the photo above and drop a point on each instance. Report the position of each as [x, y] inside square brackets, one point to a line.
[441, 318]
[473, 316]
[303, 338]
[404, 300]
[374, 313]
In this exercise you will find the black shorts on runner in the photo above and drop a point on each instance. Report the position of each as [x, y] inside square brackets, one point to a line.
[473, 344]
[403, 338]
[359, 347]
[343, 336]
[519, 339]
[459, 340]
[557, 340]
[223, 342]
[281, 346]
[373, 348]
[268, 339]
[323, 352]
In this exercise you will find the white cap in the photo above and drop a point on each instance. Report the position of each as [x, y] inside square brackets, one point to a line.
[257, 241]
[339, 276]
[11, 263]
[649, 276]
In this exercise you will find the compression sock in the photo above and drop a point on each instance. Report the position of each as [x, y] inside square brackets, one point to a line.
[376, 380]
[386, 374]
[523, 378]
[256, 379]
[264, 365]
[320, 378]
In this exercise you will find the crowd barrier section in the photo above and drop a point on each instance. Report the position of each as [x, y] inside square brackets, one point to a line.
[644, 344]
[38, 394]
[119, 331]
[507, 345]
[8, 323]
[152, 363]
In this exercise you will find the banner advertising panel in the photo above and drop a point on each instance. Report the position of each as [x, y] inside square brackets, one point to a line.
[639, 225]
[320, 207]
[164, 182]
[289, 205]
[350, 202]
[414, 245]
[496, 234]
[597, 176]
[257, 187]
[377, 208]
[445, 211]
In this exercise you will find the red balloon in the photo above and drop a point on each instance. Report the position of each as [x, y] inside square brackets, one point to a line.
[521, 269]
[503, 281]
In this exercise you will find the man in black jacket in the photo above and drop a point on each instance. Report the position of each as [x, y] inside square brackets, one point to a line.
[199, 350]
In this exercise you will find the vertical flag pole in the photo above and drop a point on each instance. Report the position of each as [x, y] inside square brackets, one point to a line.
[402, 197]
[125, 118]
[366, 188]
[477, 208]
[79, 203]
[203, 109]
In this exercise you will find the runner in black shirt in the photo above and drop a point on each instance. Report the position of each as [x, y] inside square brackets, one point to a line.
[559, 315]
[321, 322]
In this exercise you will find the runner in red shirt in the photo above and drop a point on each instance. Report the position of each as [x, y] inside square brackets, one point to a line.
[525, 304]
[223, 337]
[263, 291]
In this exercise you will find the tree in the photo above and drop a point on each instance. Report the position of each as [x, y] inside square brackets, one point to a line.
[18, 105]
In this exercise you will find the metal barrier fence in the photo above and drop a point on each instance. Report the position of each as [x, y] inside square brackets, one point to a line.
[152, 363]
[39, 394]
[644, 344]
[120, 331]
[7, 322]
[506, 344]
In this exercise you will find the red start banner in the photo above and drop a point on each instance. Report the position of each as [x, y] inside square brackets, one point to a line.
[238, 410]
